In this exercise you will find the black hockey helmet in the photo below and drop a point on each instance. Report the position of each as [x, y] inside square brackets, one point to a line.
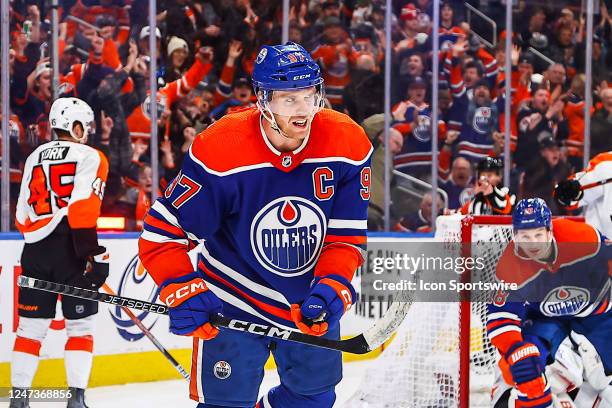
[490, 164]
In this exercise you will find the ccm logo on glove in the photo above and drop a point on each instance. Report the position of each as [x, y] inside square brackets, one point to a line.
[178, 292]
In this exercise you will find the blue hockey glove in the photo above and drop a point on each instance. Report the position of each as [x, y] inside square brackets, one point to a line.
[191, 304]
[327, 301]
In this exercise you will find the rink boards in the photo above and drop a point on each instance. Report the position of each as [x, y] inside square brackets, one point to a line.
[121, 352]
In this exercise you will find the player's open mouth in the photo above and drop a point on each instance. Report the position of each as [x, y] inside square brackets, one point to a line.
[300, 123]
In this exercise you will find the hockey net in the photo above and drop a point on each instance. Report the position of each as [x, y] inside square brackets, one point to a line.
[441, 356]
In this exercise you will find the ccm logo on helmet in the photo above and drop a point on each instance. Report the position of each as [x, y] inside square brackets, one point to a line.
[185, 291]
[297, 77]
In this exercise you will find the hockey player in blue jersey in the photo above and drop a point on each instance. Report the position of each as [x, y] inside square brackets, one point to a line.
[279, 194]
[562, 269]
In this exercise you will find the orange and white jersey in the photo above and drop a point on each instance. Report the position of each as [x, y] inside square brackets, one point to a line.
[60, 178]
[598, 200]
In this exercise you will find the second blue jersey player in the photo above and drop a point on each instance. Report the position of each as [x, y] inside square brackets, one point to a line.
[562, 269]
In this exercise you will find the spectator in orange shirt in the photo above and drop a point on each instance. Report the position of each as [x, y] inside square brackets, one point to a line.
[335, 55]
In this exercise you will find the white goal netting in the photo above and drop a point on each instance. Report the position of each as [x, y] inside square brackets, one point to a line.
[422, 366]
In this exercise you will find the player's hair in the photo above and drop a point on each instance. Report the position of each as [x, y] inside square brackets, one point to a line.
[62, 134]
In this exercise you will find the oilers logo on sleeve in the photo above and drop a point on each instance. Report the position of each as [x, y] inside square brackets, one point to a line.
[266, 216]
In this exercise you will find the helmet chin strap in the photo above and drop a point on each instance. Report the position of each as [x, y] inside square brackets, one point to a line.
[269, 116]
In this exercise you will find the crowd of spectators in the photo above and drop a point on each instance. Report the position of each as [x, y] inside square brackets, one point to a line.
[205, 55]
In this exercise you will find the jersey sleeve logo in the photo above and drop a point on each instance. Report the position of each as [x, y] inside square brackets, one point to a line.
[287, 236]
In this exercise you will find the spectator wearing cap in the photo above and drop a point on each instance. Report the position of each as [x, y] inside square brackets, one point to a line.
[413, 119]
[336, 56]
[143, 41]
[178, 53]
[416, 94]
[544, 171]
[601, 124]
[410, 33]
[31, 95]
[365, 42]
[542, 114]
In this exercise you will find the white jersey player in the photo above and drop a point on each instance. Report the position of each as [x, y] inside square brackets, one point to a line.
[57, 210]
[596, 200]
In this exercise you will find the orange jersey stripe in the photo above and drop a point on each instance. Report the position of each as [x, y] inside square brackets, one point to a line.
[283, 314]
[193, 376]
[157, 223]
[30, 226]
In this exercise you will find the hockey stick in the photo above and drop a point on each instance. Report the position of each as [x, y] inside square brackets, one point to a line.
[596, 184]
[147, 333]
[363, 343]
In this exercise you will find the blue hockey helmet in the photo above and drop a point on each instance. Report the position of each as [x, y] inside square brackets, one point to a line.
[285, 67]
[531, 213]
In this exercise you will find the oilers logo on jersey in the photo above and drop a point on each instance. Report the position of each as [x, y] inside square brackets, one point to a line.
[482, 120]
[287, 235]
[564, 301]
[422, 130]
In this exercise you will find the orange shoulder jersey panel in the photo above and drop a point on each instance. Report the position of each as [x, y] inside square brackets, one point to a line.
[237, 133]
[335, 134]
[566, 230]
[512, 269]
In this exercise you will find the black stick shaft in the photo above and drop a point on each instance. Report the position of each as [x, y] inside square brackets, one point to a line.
[355, 345]
[151, 337]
